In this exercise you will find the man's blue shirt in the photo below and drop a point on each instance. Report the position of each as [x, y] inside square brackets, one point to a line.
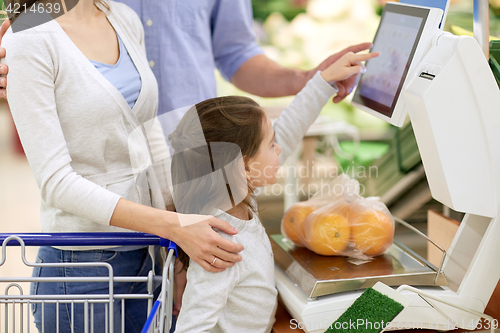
[187, 39]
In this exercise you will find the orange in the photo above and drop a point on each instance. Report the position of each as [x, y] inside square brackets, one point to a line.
[371, 232]
[327, 233]
[291, 224]
[344, 210]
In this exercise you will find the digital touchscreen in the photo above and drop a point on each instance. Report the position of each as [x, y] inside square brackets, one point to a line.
[396, 39]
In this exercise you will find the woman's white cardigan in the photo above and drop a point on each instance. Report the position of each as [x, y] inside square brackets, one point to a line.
[74, 124]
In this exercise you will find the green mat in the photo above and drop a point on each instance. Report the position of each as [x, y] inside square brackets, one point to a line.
[370, 313]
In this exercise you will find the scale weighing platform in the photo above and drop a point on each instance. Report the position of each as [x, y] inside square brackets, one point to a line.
[318, 275]
[444, 83]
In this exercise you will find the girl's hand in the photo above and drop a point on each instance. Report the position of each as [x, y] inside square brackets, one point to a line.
[344, 72]
[202, 244]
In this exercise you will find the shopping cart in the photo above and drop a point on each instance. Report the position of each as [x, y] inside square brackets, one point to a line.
[15, 304]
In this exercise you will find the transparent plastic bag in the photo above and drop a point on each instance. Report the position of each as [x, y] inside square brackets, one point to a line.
[339, 221]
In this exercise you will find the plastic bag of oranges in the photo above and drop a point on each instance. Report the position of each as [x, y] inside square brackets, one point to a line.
[339, 221]
[292, 222]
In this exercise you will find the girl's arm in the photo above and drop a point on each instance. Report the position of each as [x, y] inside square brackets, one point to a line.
[294, 121]
[32, 102]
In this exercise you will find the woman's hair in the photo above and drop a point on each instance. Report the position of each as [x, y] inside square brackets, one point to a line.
[13, 15]
[211, 144]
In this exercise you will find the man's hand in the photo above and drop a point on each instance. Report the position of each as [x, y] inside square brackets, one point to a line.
[4, 69]
[345, 86]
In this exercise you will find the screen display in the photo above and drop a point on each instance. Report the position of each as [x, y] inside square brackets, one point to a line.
[396, 39]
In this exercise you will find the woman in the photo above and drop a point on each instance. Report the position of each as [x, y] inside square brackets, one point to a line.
[78, 86]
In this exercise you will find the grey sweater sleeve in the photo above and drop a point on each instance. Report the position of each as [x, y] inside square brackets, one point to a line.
[31, 93]
[294, 121]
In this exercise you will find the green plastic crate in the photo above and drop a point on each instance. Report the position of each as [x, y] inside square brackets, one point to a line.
[385, 164]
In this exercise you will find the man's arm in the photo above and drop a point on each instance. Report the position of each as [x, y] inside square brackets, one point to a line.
[261, 76]
[241, 61]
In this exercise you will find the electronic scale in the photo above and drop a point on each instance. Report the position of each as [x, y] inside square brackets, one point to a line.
[445, 85]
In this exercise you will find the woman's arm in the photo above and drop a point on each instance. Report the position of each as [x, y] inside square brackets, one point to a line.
[194, 235]
[33, 106]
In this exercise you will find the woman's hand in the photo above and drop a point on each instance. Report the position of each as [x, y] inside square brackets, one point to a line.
[193, 233]
[344, 72]
[202, 244]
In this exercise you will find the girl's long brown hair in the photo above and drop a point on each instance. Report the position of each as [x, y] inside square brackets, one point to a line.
[230, 126]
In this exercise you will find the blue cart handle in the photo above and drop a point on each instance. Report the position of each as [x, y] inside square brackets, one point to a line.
[88, 239]
[172, 246]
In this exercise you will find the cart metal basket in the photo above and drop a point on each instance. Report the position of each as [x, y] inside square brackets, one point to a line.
[15, 303]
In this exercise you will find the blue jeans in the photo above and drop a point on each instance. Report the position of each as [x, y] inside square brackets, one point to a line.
[124, 263]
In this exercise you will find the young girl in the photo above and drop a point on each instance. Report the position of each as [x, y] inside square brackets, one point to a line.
[225, 148]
